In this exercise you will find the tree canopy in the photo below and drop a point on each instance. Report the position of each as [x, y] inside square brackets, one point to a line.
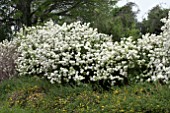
[102, 14]
[29, 12]
[17, 13]
[152, 23]
[121, 22]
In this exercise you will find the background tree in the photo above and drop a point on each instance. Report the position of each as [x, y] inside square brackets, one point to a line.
[5, 21]
[152, 23]
[102, 14]
[108, 18]
[17, 13]
[121, 22]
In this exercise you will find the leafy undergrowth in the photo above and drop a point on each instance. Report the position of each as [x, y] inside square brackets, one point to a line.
[34, 95]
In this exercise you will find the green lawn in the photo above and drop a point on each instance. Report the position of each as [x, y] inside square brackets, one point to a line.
[35, 95]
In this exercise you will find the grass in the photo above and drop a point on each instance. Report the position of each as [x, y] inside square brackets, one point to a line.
[35, 95]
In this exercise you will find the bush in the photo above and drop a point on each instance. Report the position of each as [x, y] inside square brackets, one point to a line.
[77, 53]
[8, 54]
[155, 50]
[68, 53]
[146, 59]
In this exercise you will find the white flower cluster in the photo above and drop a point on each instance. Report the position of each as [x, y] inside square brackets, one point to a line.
[147, 59]
[64, 53]
[155, 53]
[77, 53]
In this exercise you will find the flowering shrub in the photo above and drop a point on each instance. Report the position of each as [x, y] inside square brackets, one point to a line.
[8, 53]
[77, 53]
[147, 59]
[67, 53]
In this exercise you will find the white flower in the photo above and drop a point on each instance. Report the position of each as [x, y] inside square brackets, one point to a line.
[69, 51]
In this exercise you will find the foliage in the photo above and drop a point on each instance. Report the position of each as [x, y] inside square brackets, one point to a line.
[102, 14]
[109, 18]
[39, 96]
[16, 13]
[3, 35]
[125, 19]
[5, 23]
[89, 11]
[153, 24]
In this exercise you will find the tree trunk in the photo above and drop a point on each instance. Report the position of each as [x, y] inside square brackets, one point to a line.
[25, 7]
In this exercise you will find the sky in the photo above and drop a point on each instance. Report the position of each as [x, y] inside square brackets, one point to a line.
[145, 6]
